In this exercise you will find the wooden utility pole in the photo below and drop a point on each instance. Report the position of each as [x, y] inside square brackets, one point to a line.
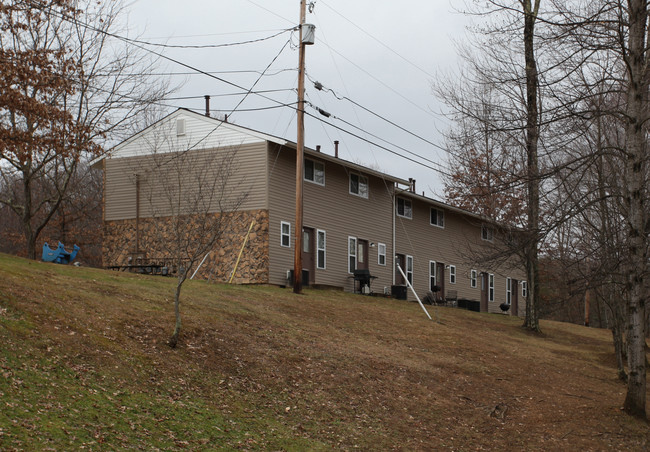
[300, 147]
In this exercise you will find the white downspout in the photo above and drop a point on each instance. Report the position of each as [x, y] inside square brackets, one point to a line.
[393, 250]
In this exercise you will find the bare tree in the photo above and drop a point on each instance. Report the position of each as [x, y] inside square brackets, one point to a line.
[65, 87]
[511, 111]
[191, 200]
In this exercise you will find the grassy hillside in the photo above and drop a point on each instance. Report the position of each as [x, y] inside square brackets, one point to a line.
[83, 363]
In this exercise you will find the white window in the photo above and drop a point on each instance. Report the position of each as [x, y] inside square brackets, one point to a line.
[409, 269]
[432, 275]
[315, 172]
[491, 287]
[472, 278]
[359, 185]
[452, 274]
[381, 254]
[404, 208]
[320, 249]
[437, 218]
[285, 234]
[524, 289]
[487, 233]
[508, 291]
[352, 254]
[180, 127]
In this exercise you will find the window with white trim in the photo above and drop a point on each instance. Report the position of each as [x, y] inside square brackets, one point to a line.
[473, 276]
[352, 254]
[508, 291]
[487, 233]
[491, 287]
[315, 172]
[381, 253]
[452, 274]
[404, 208]
[285, 234]
[524, 289]
[432, 275]
[437, 218]
[409, 269]
[320, 249]
[358, 185]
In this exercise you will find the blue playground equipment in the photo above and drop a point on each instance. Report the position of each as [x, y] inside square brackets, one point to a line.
[59, 255]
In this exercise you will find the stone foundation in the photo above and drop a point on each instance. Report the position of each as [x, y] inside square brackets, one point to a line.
[155, 236]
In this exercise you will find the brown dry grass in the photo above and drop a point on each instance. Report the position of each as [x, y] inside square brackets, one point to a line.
[274, 371]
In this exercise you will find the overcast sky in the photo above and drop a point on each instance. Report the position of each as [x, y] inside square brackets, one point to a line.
[381, 55]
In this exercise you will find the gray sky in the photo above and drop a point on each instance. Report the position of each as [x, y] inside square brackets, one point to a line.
[381, 55]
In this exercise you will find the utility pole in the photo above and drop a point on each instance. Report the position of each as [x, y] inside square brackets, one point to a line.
[300, 148]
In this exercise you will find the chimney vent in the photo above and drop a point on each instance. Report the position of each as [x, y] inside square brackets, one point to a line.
[318, 148]
[336, 148]
[207, 105]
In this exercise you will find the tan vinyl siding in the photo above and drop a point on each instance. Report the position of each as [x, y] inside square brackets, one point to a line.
[330, 208]
[458, 243]
[248, 176]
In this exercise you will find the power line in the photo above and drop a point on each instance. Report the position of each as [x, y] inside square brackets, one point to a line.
[379, 81]
[438, 170]
[379, 41]
[271, 12]
[203, 46]
[320, 87]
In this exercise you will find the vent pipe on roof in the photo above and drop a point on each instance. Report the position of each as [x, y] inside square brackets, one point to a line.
[411, 185]
[336, 148]
[225, 118]
[207, 105]
[318, 148]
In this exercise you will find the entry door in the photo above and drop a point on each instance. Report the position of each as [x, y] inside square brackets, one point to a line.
[308, 255]
[362, 254]
[440, 278]
[484, 292]
[400, 260]
[514, 290]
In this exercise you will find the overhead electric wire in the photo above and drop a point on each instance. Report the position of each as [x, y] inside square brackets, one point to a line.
[373, 135]
[202, 46]
[173, 60]
[379, 81]
[242, 71]
[250, 91]
[438, 170]
[378, 40]
[323, 88]
[271, 12]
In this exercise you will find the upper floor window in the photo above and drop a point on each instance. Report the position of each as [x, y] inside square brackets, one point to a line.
[487, 233]
[315, 172]
[359, 185]
[404, 208]
[438, 218]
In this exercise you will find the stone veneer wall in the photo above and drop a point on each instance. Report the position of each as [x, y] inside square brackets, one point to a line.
[119, 244]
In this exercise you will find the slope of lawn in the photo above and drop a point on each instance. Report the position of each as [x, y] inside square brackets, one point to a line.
[84, 364]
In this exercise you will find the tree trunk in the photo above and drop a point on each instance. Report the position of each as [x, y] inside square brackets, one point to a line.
[617, 334]
[531, 321]
[635, 172]
[173, 341]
